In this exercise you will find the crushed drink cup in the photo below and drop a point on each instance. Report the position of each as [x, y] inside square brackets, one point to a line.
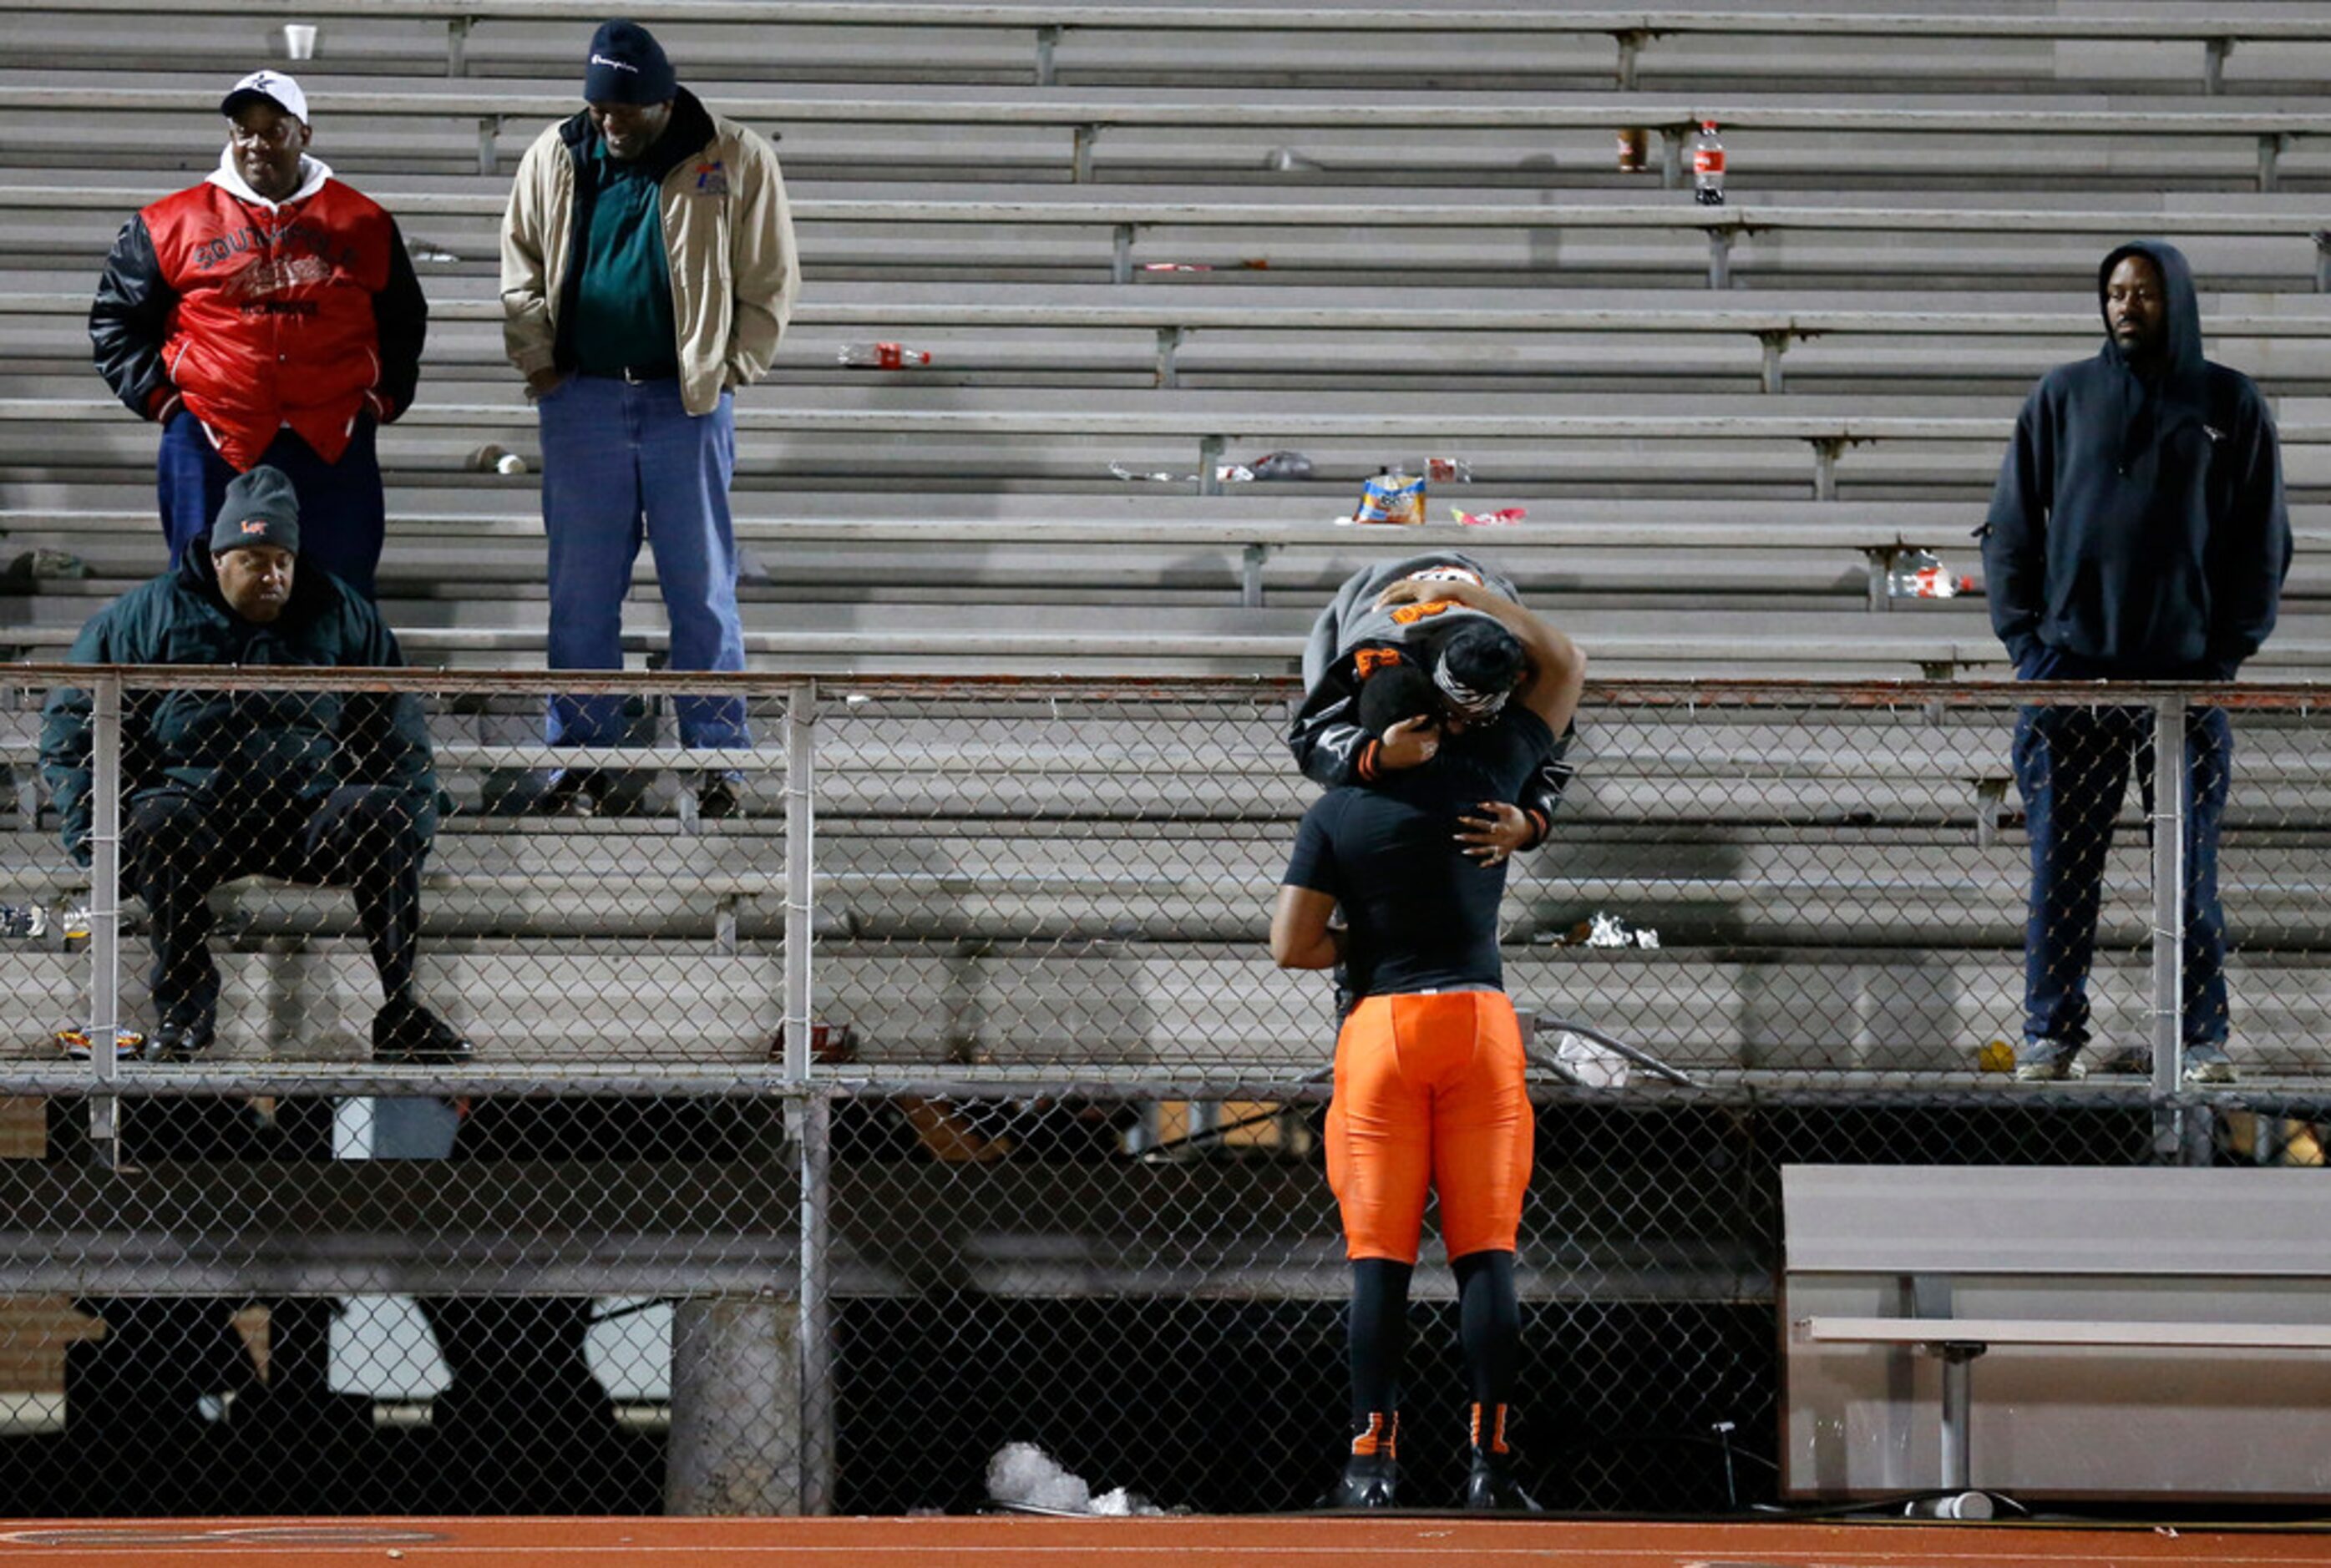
[73, 1041]
[1501, 518]
[1919, 575]
[882, 356]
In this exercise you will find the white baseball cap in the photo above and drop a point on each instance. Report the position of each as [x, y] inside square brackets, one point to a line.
[267, 87]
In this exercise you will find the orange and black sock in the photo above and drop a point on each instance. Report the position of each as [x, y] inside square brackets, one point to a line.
[1489, 1431]
[1378, 1437]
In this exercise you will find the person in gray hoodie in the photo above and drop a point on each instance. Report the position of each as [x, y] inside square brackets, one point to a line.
[2137, 533]
[1474, 664]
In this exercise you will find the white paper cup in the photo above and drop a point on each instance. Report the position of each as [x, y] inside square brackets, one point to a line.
[299, 40]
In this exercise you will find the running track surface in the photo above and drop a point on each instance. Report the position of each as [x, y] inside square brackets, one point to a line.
[1009, 1542]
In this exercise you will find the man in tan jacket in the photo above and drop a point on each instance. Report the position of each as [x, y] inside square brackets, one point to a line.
[648, 270]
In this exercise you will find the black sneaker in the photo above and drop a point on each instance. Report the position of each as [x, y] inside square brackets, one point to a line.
[572, 792]
[185, 1032]
[405, 1031]
[717, 798]
[1369, 1481]
[1492, 1485]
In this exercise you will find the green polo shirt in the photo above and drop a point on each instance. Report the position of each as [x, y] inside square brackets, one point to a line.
[622, 316]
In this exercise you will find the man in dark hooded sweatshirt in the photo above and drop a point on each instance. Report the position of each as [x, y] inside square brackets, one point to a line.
[2137, 533]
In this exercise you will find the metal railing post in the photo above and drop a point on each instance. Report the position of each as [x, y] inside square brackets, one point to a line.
[801, 821]
[808, 1110]
[105, 914]
[2169, 783]
[817, 1415]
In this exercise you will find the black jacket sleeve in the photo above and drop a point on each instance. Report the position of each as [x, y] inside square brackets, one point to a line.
[1333, 749]
[1329, 745]
[400, 317]
[2250, 555]
[2016, 534]
[1541, 797]
[130, 319]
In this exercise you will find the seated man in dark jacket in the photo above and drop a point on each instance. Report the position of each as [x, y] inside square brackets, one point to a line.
[322, 787]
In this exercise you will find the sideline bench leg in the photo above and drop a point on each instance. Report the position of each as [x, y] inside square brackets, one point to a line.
[1958, 1382]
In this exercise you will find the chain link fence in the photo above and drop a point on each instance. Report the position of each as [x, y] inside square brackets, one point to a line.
[915, 1081]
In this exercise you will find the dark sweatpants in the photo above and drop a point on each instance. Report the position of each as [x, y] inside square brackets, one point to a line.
[178, 844]
[2072, 765]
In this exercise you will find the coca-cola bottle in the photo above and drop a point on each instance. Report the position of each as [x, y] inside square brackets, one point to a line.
[1708, 166]
[882, 356]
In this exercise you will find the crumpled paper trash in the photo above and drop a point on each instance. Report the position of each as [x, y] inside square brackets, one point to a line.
[1023, 1476]
[1592, 1066]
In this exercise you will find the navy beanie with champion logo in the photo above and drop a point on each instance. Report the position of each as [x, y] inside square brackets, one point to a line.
[627, 65]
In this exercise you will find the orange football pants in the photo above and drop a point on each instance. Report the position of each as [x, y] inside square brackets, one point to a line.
[1429, 1095]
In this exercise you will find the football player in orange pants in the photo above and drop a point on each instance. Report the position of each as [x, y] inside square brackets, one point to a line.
[1429, 1090]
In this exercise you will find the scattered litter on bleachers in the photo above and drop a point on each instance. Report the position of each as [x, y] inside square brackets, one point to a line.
[1920, 574]
[1602, 930]
[881, 357]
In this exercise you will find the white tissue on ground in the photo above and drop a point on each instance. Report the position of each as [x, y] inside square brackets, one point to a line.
[1024, 1475]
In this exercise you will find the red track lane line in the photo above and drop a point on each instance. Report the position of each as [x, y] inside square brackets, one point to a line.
[471, 1543]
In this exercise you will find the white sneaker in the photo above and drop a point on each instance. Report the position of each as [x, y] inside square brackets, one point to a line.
[2049, 1061]
[2209, 1064]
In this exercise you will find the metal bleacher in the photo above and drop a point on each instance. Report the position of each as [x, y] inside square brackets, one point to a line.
[1455, 266]
[1161, 237]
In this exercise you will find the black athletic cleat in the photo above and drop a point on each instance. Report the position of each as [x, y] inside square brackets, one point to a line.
[1492, 1485]
[1369, 1481]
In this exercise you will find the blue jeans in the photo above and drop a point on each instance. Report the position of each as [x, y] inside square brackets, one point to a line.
[623, 461]
[342, 514]
[2072, 765]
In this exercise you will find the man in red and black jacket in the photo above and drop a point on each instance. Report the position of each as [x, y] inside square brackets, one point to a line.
[268, 315]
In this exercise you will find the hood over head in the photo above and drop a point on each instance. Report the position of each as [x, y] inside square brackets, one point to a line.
[2176, 389]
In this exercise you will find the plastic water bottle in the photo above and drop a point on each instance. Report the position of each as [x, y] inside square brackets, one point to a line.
[1708, 166]
[882, 356]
